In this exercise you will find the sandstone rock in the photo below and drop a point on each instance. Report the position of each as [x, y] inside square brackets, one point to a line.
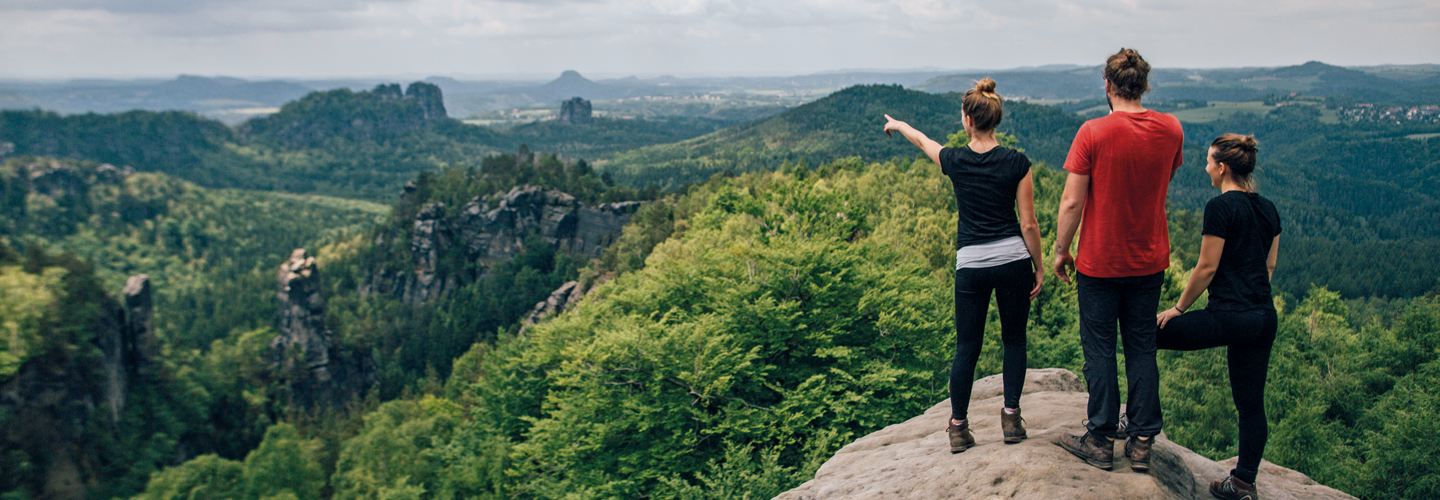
[429, 98]
[576, 111]
[560, 300]
[54, 400]
[54, 180]
[913, 460]
[330, 379]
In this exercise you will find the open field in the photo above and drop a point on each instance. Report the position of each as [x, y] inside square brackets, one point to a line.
[1421, 137]
[1217, 110]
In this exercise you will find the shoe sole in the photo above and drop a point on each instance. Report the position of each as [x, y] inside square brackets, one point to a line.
[1093, 462]
[1014, 439]
[1139, 466]
[958, 449]
[1223, 495]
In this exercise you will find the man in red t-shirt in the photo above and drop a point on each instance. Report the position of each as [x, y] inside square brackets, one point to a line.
[1120, 168]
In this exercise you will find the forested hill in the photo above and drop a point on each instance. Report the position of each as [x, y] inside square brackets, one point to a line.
[844, 124]
[340, 143]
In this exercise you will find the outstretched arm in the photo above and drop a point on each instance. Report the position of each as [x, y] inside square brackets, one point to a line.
[1211, 247]
[1072, 204]
[931, 148]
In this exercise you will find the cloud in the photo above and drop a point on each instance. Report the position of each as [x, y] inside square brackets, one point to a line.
[332, 37]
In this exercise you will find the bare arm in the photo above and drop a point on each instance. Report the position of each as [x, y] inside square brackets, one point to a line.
[1030, 230]
[930, 147]
[1211, 247]
[1274, 255]
[1072, 204]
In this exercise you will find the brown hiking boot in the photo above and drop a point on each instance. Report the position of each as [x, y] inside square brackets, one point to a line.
[1096, 450]
[1013, 426]
[1232, 488]
[960, 437]
[1137, 449]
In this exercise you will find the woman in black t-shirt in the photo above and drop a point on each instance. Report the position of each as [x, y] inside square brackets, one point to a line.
[996, 253]
[1241, 238]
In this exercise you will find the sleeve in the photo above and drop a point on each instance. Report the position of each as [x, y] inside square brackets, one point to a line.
[947, 160]
[1217, 218]
[1078, 161]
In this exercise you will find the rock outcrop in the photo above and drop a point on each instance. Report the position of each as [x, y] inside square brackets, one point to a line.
[487, 235]
[326, 377]
[53, 399]
[913, 460]
[576, 111]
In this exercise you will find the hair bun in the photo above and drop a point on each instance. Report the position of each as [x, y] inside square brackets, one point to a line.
[1250, 143]
[985, 85]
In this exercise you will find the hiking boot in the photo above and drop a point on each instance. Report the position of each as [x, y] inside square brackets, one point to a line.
[1096, 450]
[1232, 488]
[1137, 449]
[960, 437]
[1013, 426]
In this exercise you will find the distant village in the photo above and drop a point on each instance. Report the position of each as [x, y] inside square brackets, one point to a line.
[1390, 114]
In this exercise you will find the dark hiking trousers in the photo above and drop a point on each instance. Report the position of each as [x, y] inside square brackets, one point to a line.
[1131, 301]
[1248, 337]
[1011, 283]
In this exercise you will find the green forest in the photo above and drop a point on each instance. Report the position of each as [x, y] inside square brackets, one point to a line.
[783, 291]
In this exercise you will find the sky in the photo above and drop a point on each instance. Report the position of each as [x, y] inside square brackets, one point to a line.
[480, 39]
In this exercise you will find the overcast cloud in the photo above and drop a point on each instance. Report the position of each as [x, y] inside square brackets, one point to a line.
[489, 38]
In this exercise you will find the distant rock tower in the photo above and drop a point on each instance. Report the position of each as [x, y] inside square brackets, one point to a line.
[575, 111]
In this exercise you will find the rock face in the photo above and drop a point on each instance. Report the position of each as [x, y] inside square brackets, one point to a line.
[575, 111]
[327, 378]
[429, 98]
[54, 400]
[488, 235]
[913, 460]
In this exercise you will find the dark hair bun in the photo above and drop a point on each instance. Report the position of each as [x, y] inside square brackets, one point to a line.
[1249, 143]
[985, 85]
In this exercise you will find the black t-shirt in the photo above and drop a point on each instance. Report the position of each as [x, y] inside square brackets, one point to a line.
[985, 185]
[1249, 224]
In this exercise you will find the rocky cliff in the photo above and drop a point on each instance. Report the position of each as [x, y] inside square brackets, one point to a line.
[576, 111]
[53, 399]
[320, 117]
[304, 345]
[913, 460]
[484, 234]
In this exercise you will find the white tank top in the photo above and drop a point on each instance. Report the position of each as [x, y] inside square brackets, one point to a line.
[995, 253]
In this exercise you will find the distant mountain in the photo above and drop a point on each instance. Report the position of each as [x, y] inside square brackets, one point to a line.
[202, 95]
[1403, 84]
[844, 124]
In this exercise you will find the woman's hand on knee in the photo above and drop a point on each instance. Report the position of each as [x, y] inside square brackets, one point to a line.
[1167, 315]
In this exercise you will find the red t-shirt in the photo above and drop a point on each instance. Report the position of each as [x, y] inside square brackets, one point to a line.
[1130, 158]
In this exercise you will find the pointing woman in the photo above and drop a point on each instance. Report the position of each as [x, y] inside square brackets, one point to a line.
[997, 252]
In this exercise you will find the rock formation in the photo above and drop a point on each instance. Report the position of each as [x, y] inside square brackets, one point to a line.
[302, 337]
[575, 111]
[913, 460]
[488, 235]
[53, 399]
[429, 98]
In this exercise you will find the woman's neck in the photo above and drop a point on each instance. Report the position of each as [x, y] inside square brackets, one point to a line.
[981, 142]
[1228, 184]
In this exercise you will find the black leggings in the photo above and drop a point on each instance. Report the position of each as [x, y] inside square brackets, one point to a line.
[1012, 284]
[1249, 336]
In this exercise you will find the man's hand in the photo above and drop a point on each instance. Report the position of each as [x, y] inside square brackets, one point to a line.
[1064, 263]
[892, 124]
